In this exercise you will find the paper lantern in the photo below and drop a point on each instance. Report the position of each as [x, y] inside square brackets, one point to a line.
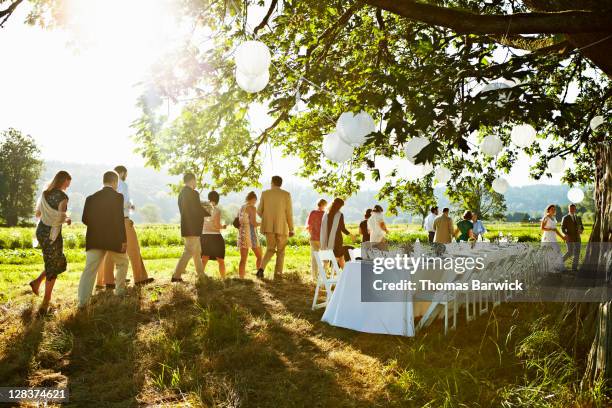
[556, 165]
[366, 124]
[348, 128]
[354, 129]
[252, 58]
[252, 84]
[442, 175]
[414, 147]
[491, 145]
[335, 149]
[494, 86]
[596, 122]
[575, 195]
[523, 135]
[500, 185]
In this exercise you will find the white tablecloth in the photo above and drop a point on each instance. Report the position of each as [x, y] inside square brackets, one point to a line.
[345, 308]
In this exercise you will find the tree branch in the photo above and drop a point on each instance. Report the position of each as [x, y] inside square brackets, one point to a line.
[6, 13]
[266, 18]
[531, 44]
[463, 21]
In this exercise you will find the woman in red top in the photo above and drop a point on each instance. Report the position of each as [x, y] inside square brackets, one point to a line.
[313, 225]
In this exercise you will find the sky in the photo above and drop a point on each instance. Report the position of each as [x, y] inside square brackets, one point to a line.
[78, 102]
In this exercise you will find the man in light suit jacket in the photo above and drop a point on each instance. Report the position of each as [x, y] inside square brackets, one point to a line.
[443, 226]
[103, 215]
[572, 227]
[276, 214]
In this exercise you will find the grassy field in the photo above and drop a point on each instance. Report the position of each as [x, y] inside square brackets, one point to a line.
[257, 344]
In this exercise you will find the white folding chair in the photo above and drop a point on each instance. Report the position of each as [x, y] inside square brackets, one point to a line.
[328, 282]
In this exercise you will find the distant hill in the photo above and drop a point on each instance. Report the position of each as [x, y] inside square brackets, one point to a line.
[150, 192]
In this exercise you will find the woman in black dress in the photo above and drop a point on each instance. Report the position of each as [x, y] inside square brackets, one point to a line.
[52, 211]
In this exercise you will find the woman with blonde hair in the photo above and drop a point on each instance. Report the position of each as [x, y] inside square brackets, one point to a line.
[51, 212]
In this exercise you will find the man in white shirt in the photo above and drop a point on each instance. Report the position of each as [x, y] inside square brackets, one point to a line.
[428, 223]
[133, 248]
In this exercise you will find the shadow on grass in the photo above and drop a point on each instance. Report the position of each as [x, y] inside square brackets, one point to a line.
[21, 349]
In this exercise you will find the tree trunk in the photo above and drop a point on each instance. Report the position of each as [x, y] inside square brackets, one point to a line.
[598, 263]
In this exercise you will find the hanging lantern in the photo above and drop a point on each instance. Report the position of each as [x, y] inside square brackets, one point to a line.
[252, 84]
[252, 58]
[335, 149]
[491, 145]
[348, 128]
[500, 185]
[366, 125]
[575, 195]
[596, 122]
[523, 135]
[414, 147]
[442, 175]
[556, 165]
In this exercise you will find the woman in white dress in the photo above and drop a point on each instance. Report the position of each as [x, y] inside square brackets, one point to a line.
[549, 235]
[376, 225]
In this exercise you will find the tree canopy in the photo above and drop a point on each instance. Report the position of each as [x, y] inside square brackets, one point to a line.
[20, 168]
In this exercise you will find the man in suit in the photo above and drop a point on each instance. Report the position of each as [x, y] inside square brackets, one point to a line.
[571, 226]
[192, 221]
[103, 216]
[276, 214]
[443, 227]
[105, 273]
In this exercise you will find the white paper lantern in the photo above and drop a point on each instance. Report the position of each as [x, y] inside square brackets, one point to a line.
[556, 165]
[494, 86]
[575, 195]
[347, 127]
[523, 135]
[414, 147]
[335, 149]
[491, 145]
[596, 122]
[252, 84]
[442, 175]
[366, 125]
[500, 185]
[252, 58]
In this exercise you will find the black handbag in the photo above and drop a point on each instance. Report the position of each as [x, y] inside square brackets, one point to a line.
[236, 222]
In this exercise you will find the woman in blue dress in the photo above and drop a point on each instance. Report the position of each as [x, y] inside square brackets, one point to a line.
[51, 211]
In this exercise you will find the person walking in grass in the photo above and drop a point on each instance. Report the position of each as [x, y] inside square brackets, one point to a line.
[192, 222]
[428, 224]
[376, 225]
[106, 275]
[363, 226]
[571, 226]
[332, 228]
[103, 216]
[443, 225]
[211, 240]
[247, 233]
[550, 232]
[465, 228]
[313, 225]
[51, 212]
[276, 212]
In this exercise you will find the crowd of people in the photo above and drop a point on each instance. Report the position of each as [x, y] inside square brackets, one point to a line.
[111, 242]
